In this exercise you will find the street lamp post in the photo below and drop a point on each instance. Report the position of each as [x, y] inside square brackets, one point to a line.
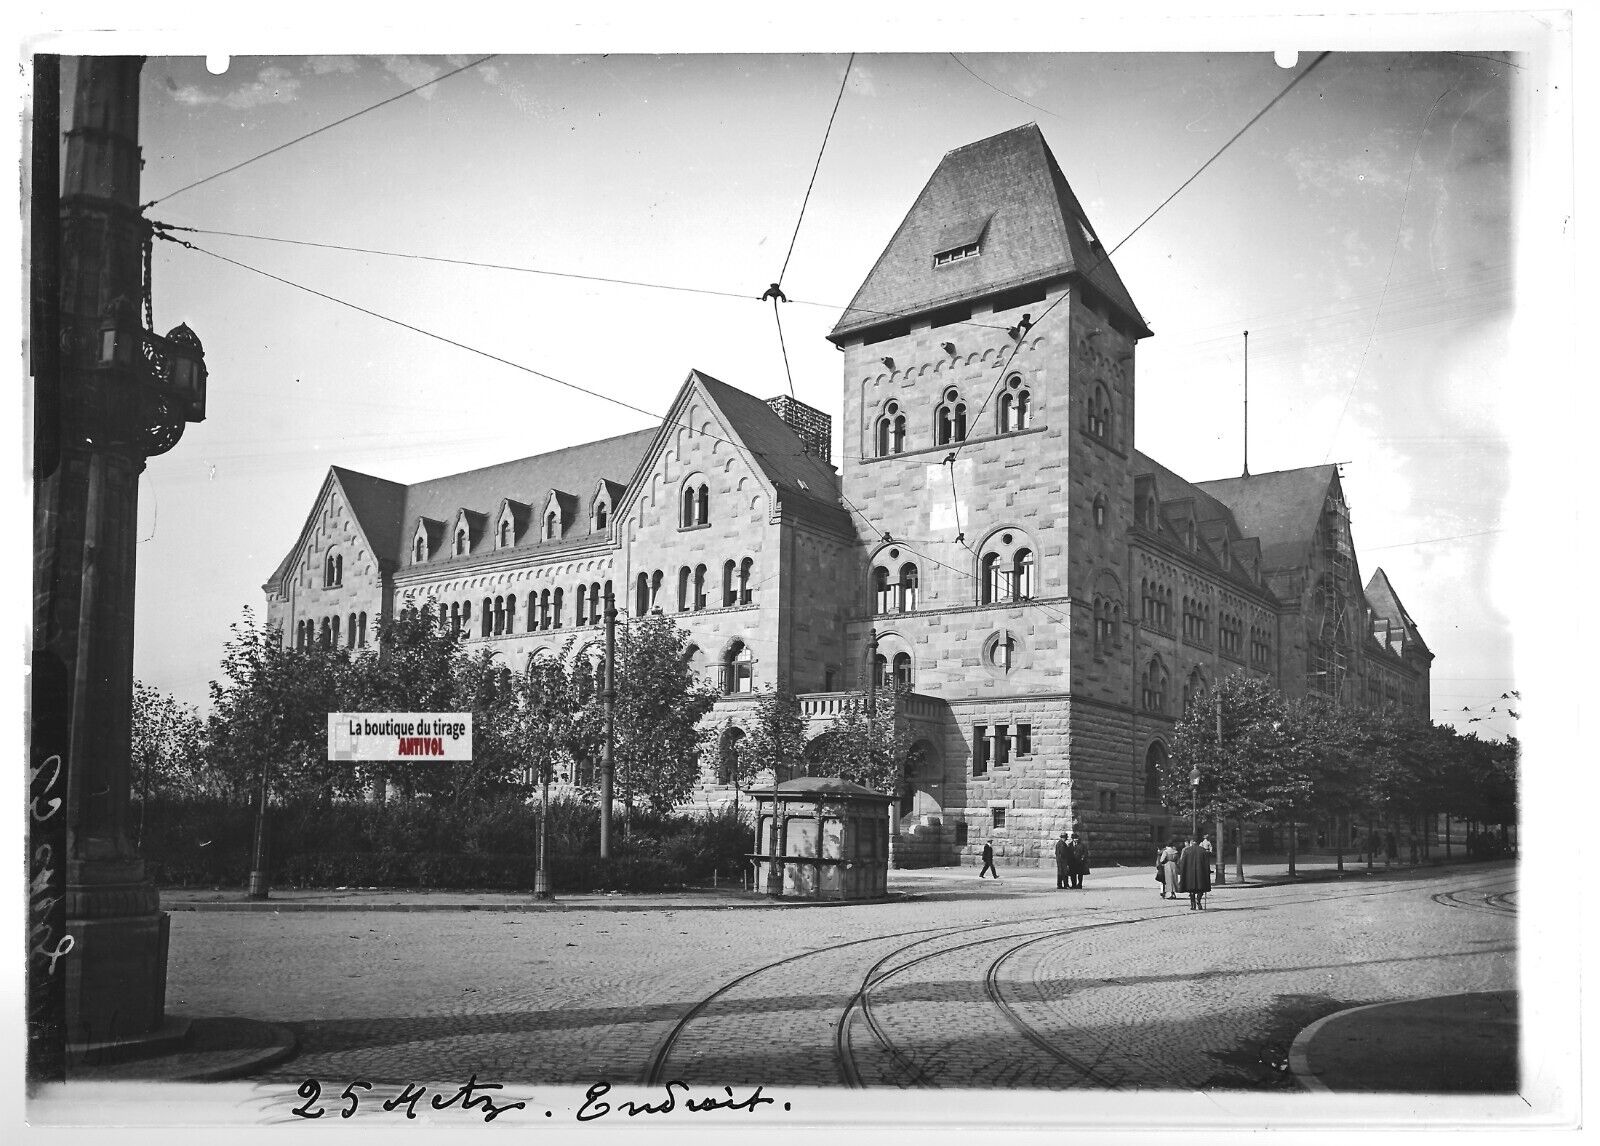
[1194, 811]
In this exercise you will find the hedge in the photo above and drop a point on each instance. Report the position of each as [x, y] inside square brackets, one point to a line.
[418, 843]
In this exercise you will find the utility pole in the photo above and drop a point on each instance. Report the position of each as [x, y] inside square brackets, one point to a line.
[609, 700]
[48, 940]
[125, 396]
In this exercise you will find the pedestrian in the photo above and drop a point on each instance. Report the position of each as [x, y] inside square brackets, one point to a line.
[1167, 869]
[1061, 861]
[1077, 860]
[1207, 844]
[1194, 874]
[988, 861]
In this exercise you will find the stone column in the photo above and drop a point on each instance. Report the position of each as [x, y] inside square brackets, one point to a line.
[116, 971]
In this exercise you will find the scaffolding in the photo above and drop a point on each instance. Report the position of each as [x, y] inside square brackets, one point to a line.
[810, 425]
[1331, 652]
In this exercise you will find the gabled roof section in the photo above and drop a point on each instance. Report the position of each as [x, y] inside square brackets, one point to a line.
[375, 504]
[1385, 603]
[775, 449]
[1282, 508]
[1007, 194]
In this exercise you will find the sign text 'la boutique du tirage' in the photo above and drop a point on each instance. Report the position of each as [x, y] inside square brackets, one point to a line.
[399, 736]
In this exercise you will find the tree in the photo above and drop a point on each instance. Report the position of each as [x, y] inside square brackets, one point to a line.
[775, 740]
[658, 711]
[270, 716]
[1251, 771]
[867, 744]
[168, 750]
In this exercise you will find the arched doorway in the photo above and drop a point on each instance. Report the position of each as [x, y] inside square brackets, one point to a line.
[925, 773]
[1155, 762]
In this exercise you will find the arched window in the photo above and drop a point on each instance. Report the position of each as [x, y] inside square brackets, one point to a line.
[1016, 406]
[1100, 506]
[909, 582]
[332, 570]
[992, 587]
[1153, 686]
[699, 587]
[505, 533]
[455, 618]
[687, 516]
[327, 632]
[1155, 761]
[582, 617]
[602, 515]
[1097, 415]
[1006, 567]
[641, 595]
[747, 587]
[655, 589]
[737, 669]
[891, 431]
[466, 616]
[1022, 575]
[702, 505]
[683, 588]
[336, 637]
[552, 525]
[362, 623]
[902, 670]
[880, 671]
[555, 607]
[499, 615]
[950, 420]
[1194, 689]
[728, 755]
[597, 603]
[461, 541]
[880, 590]
[606, 597]
[730, 593]
[420, 552]
[350, 632]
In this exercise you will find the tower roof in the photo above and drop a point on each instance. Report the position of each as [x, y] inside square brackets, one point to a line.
[1007, 197]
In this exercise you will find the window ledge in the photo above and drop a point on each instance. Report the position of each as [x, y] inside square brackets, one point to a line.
[970, 440]
[692, 528]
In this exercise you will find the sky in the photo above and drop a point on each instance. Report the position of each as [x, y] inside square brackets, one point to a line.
[1364, 231]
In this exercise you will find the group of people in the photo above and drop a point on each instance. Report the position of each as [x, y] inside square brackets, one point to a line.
[1186, 870]
[1072, 861]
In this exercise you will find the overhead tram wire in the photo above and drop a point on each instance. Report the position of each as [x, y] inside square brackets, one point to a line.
[776, 290]
[659, 419]
[741, 296]
[318, 131]
[1106, 258]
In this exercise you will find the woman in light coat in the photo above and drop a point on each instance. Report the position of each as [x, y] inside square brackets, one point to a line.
[1167, 861]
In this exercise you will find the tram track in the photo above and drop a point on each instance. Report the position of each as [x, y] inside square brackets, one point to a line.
[859, 1010]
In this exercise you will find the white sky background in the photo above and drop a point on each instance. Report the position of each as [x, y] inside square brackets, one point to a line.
[1362, 231]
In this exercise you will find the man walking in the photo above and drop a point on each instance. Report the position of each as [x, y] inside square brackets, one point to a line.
[988, 861]
[1062, 857]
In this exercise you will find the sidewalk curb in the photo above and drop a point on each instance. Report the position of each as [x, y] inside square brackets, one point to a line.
[1300, 1049]
[296, 907]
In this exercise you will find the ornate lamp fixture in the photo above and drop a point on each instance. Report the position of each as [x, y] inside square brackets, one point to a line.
[170, 371]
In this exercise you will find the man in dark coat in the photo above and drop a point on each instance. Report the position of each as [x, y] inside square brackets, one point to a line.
[1077, 861]
[988, 861]
[1063, 857]
[1194, 874]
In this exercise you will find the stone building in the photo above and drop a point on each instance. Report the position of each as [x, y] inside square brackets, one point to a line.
[992, 537]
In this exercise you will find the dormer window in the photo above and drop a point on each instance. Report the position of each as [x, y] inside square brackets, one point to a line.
[461, 541]
[956, 254]
[419, 554]
[552, 525]
[505, 534]
[601, 516]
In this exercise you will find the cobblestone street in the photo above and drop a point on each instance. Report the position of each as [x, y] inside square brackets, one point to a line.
[962, 984]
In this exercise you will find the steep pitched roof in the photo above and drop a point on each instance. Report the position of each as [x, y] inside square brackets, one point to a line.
[1281, 508]
[1008, 192]
[779, 452]
[373, 501]
[527, 480]
[1385, 602]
